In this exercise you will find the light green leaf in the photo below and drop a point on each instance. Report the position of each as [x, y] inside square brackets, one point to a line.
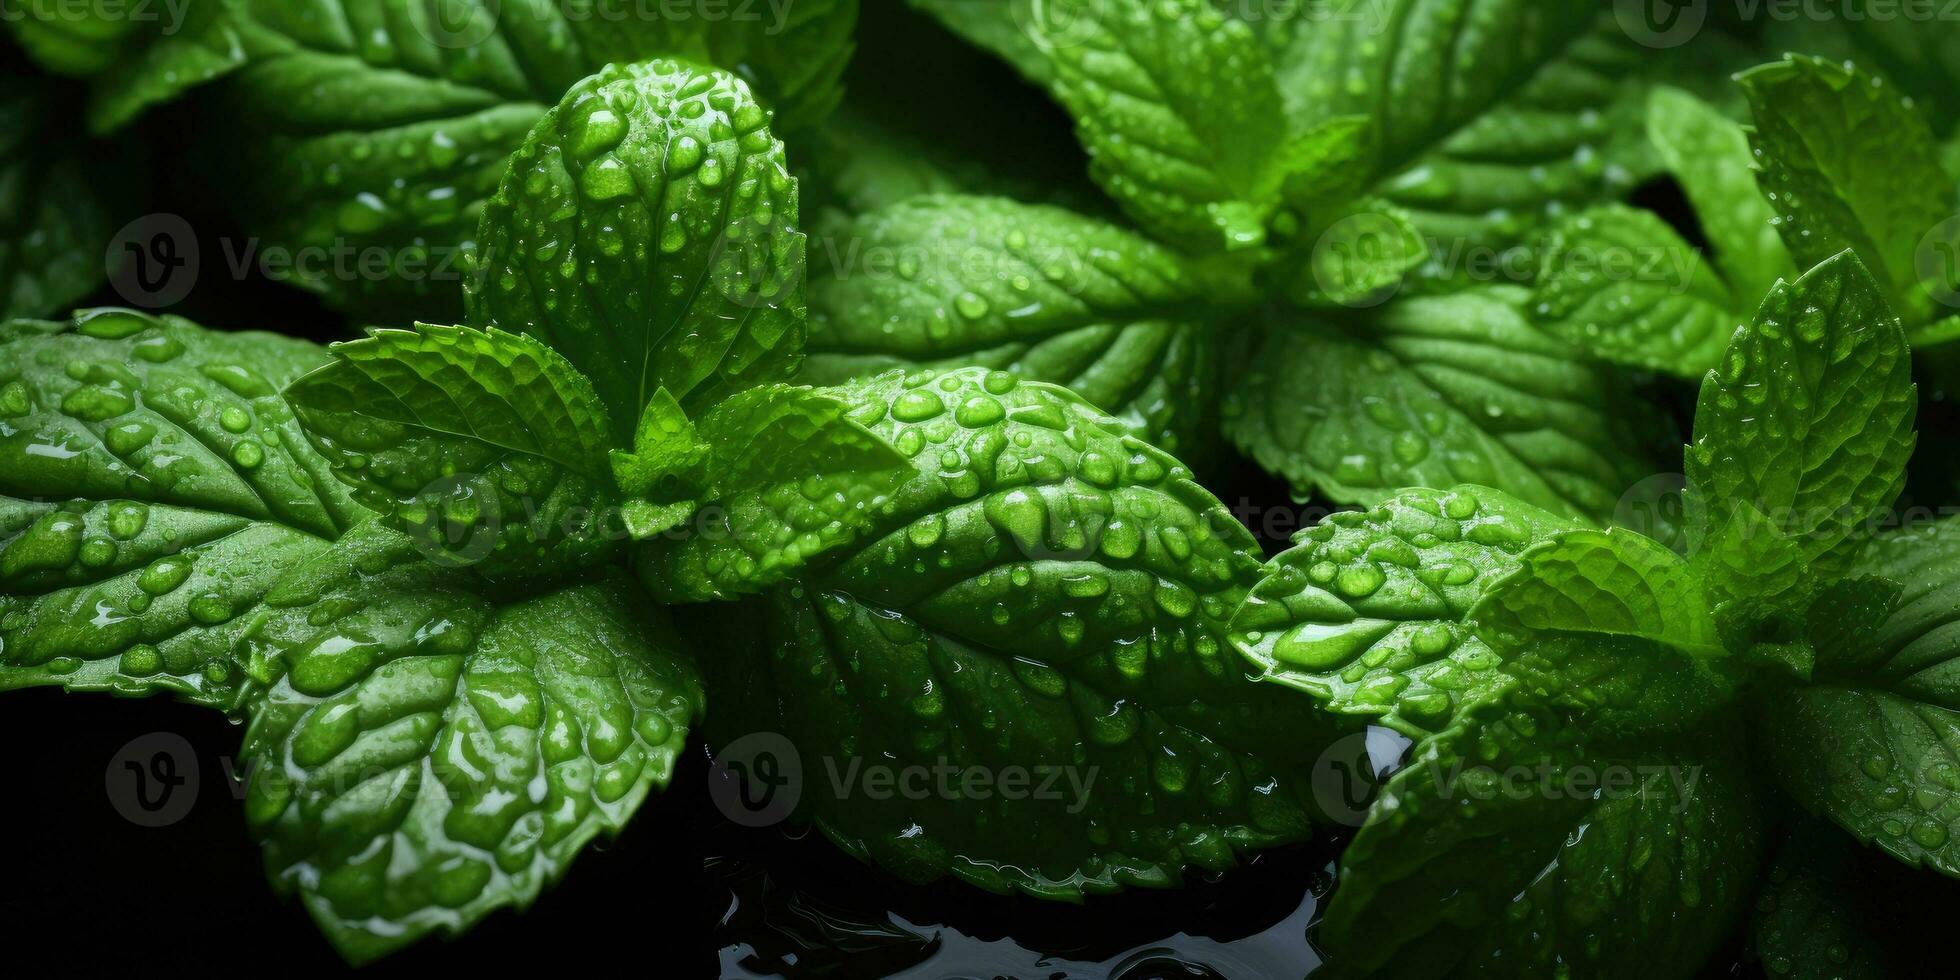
[1872, 747]
[1438, 391]
[427, 756]
[1507, 848]
[619, 237]
[1620, 284]
[1045, 593]
[377, 130]
[54, 227]
[486, 446]
[1708, 154]
[950, 281]
[1613, 582]
[1851, 164]
[667, 456]
[783, 433]
[1178, 109]
[153, 486]
[1809, 422]
[1369, 611]
[135, 55]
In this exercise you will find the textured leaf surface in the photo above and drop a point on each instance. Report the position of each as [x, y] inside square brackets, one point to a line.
[427, 756]
[368, 128]
[1437, 391]
[647, 231]
[135, 55]
[1875, 747]
[1808, 421]
[1708, 154]
[487, 445]
[1850, 164]
[152, 487]
[1507, 849]
[1620, 284]
[1614, 582]
[953, 281]
[54, 229]
[1369, 612]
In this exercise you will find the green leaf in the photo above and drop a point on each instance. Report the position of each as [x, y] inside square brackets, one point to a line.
[135, 55]
[153, 486]
[1369, 612]
[1872, 747]
[1708, 154]
[1488, 115]
[375, 131]
[427, 756]
[1809, 422]
[1178, 109]
[1005, 27]
[486, 446]
[1613, 582]
[1045, 593]
[54, 227]
[1438, 391]
[950, 281]
[647, 231]
[668, 455]
[1507, 848]
[1620, 284]
[1850, 164]
[1818, 917]
[1360, 259]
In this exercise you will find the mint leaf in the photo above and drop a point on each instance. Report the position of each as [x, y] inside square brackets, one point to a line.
[1508, 847]
[951, 281]
[1808, 422]
[382, 129]
[1621, 285]
[1709, 155]
[619, 239]
[153, 486]
[1613, 582]
[1179, 112]
[487, 446]
[1437, 391]
[427, 756]
[134, 56]
[1850, 164]
[1872, 746]
[1369, 612]
[1045, 593]
[54, 226]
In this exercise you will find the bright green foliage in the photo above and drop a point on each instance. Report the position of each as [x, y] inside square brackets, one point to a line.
[1709, 156]
[1848, 162]
[1044, 591]
[1179, 112]
[949, 281]
[486, 446]
[1613, 582]
[378, 128]
[1808, 421]
[1872, 746]
[153, 486]
[1509, 847]
[54, 227]
[1435, 392]
[427, 756]
[1369, 612]
[647, 231]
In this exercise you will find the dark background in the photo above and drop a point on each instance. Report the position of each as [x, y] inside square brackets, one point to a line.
[682, 890]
